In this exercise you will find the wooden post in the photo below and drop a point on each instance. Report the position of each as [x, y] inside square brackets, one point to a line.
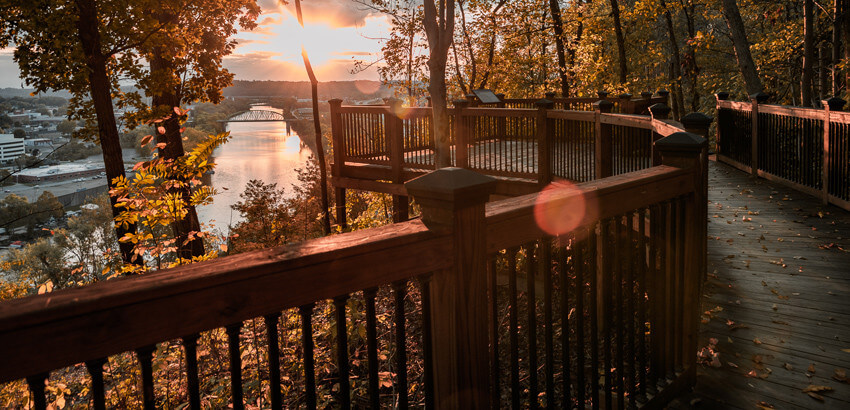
[545, 136]
[664, 96]
[452, 200]
[395, 142]
[832, 104]
[756, 99]
[685, 150]
[627, 106]
[339, 155]
[604, 140]
[699, 124]
[461, 135]
[473, 100]
[658, 112]
[721, 96]
[501, 122]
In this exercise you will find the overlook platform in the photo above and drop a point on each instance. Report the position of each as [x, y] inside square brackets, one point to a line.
[775, 299]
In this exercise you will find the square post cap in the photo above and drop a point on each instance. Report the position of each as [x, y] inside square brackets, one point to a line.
[646, 94]
[722, 96]
[659, 111]
[550, 95]
[545, 104]
[335, 101]
[603, 106]
[835, 104]
[625, 96]
[461, 103]
[760, 97]
[501, 96]
[663, 93]
[602, 94]
[446, 190]
[696, 120]
[681, 143]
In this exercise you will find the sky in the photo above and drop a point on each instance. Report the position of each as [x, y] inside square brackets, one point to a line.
[336, 33]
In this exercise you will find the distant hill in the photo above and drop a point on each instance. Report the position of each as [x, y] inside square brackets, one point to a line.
[359, 89]
[25, 92]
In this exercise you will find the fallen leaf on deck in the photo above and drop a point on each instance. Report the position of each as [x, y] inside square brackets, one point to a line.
[840, 375]
[815, 396]
[757, 341]
[788, 367]
[811, 368]
[816, 388]
[732, 364]
[763, 405]
[752, 373]
[845, 350]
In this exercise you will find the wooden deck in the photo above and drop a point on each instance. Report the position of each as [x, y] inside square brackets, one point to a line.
[776, 300]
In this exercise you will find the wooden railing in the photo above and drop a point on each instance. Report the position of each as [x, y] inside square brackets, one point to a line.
[624, 103]
[536, 294]
[378, 148]
[807, 149]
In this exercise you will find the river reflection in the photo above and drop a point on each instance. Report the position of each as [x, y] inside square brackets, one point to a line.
[256, 150]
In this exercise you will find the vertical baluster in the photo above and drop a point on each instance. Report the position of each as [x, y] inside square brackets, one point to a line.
[669, 292]
[342, 352]
[306, 313]
[427, 352]
[549, 334]
[641, 297]
[680, 285]
[617, 276]
[607, 305]
[579, 264]
[190, 345]
[654, 288]
[95, 369]
[631, 264]
[593, 275]
[145, 357]
[233, 332]
[273, 343]
[512, 285]
[531, 297]
[399, 292]
[372, 347]
[492, 285]
[36, 385]
[563, 272]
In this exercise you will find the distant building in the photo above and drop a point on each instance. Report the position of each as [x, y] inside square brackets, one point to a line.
[10, 147]
[60, 172]
[38, 142]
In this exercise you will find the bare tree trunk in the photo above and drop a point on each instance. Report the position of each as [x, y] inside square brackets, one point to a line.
[808, 54]
[742, 47]
[571, 53]
[676, 65]
[113, 160]
[621, 41]
[558, 26]
[439, 29]
[690, 60]
[823, 71]
[165, 100]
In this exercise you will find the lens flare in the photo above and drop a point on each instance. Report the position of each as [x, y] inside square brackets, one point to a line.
[560, 208]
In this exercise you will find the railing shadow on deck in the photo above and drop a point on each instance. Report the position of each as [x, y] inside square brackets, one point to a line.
[805, 149]
[618, 310]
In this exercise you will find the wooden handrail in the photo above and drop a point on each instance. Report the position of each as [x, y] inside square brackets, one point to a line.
[511, 222]
[54, 330]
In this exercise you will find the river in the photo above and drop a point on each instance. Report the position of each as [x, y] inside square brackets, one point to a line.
[256, 150]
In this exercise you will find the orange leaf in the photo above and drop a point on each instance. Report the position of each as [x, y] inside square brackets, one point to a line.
[161, 145]
[160, 129]
[146, 139]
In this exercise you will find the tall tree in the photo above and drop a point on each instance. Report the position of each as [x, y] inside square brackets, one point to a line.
[558, 28]
[439, 23]
[621, 42]
[808, 53]
[61, 45]
[742, 47]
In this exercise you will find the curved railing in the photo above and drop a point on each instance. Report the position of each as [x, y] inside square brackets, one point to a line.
[575, 296]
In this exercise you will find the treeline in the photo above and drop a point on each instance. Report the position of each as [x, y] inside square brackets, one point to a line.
[360, 89]
[794, 50]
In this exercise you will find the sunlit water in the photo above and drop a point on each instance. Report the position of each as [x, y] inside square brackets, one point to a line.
[256, 150]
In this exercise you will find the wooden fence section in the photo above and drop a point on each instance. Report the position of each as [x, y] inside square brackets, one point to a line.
[378, 148]
[505, 290]
[807, 149]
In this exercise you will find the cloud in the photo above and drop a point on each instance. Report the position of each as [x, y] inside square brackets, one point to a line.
[265, 66]
[352, 53]
[246, 41]
[270, 20]
[337, 13]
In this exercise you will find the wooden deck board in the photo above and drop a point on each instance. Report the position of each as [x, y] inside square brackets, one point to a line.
[810, 324]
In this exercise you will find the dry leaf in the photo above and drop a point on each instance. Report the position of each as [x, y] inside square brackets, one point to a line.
[816, 388]
[788, 367]
[811, 368]
[757, 341]
[763, 405]
[840, 375]
[815, 396]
